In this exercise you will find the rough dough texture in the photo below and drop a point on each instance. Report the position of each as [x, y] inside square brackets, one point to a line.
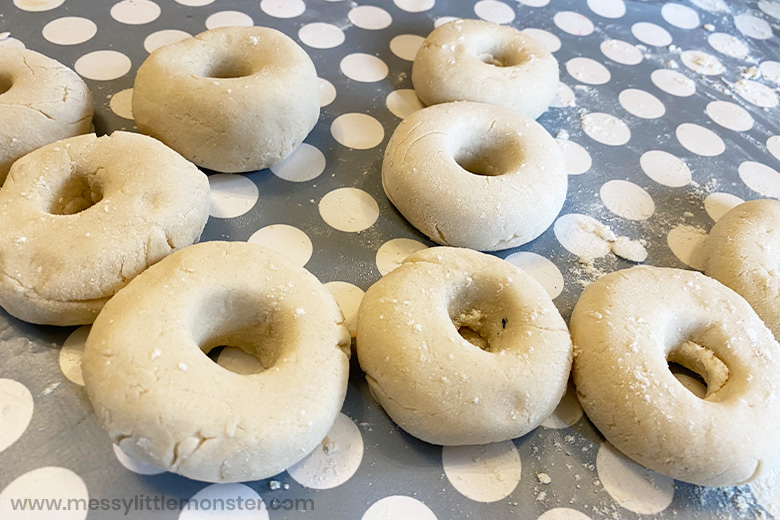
[742, 253]
[497, 379]
[163, 401]
[473, 60]
[475, 175]
[233, 99]
[83, 216]
[629, 325]
[41, 101]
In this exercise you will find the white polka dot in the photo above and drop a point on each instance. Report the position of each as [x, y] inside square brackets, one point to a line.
[229, 19]
[348, 297]
[392, 253]
[16, 408]
[142, 468]
[283, 8]
[573, 23]
[543, 271]
[370, 17]
[634, 487]
[122, 103]
[563, 513]
[760, 178]
[363, 67]
[534, 3]
[608, 8]
[227, 493]
[641, 104]
[766, 490]
[195, 3]
[680, 16]
[72, 354]
[327, 92]
[627, 200]
[103, 65]
[398, 507]
[580, 235]
[651, 34]
[770, 70]
[753, 27]
[718, 204]
[485, 473]
[687, 244]
[564, 97]
[770, 8]
[728, 45]
[494, 11]
[70, 30]
[335, 460]
[730, 115]
[47, 483]
[358, 131]
[239, 362]
[38, 5]
[700, 140]
[702, 62]
[160, 38]
[444, 19]
[588, 71]
[304, 164]
[349, 209]
[665, 168]
[135, 12]
[621, 52]
[231, 195]
[288, 241]
[711, 5]
[577, 158]
[11, 43]
[401, 103]
[773, 145]
[567, 413]
[605, 129]
[548, 40]
[756, 93]
[672, 82]
[405, 46]
[414, 6]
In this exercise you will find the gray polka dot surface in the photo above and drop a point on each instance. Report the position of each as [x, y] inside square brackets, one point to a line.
[668, 116]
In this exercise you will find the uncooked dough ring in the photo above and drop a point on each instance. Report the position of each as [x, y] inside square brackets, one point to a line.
[460, 347]
[163, 401]
[83, 216]
[233, 99]
[475, 175]
[629, 325]
[41, 101]
[472, 60]
[742, 250]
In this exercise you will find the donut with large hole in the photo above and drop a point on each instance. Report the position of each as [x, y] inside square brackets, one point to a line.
[163, 401]
[84, 215]
[41, 101]
[629, 326]
[460, 347]
[233, 99]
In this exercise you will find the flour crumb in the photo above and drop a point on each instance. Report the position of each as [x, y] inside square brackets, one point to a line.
[274, 485]
[49, 389]
[708, 27]
[182, 366]
[543, 478]
[751, 73]
[631, 250]
[562, 134]
[156, 353]
[300, 311]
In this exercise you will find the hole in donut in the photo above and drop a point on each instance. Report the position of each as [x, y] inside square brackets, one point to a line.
[77, 194]
[5, 84]
[480, 150]
[481, 311]
[696, 366]
[496, 61]
[473, 337]
[692, 381]
[228, 68]
[477, 164]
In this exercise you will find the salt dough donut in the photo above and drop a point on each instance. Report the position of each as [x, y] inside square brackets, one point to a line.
[233, 99]
[742, 254]
[41, 101]
[629, 325]
[475, 175]
[166, 403]
[472, 60]
[460, 347]
[83, 216]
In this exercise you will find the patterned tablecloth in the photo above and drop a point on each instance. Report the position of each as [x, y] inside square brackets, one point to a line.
[667, 116]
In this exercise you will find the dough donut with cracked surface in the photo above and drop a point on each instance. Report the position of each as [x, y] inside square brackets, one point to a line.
[473, 60]
[475, 175]
[629, 325]
[742, 254]
[233, 99]
[84, 215]
[41, 101]
[460, 347]
[163, 401]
